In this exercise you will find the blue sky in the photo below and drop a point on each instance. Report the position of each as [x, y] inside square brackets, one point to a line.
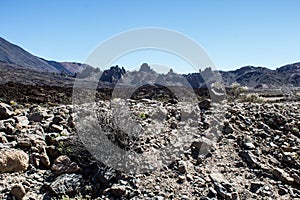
[233, 33]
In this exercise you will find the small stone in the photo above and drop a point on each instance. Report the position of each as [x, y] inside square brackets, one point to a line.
[18, 191]
[181, 166]
[205, 104]
[173, 125]
[22, 120]
[53, 152]
[189, 177]
[9, 129]
[24, 143]
[122, 182]
[281, 175]
[218, 181]
[263, 126]
[296, 178]
[57, 128]
[227, 129]
[35, 117]
[57, 119]
[118, 190]
[249, 145]
[289, 149]
[255, 186]
[235, 196]
[282, 191]
[211, 192]
[249, 158]
[280, 119]
[181, 179]
[3, 138]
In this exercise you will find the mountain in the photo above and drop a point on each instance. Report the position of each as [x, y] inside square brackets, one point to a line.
[13, 54]
[73, 67]
[264, 78]
[290, 74]
[251, 76]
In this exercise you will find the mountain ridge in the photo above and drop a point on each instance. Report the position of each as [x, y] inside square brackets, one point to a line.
[251, 76]
[14, 54]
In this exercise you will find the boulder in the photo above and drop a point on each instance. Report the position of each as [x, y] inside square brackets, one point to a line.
[13, 161]
[52, 152]
[63, 165]
[66, 184]
[44, 160]
[41, 158]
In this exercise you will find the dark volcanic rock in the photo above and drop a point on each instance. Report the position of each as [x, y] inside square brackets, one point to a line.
[118, 190]
[68, 184]
[5, 111]
[249, 158]
[18, 192]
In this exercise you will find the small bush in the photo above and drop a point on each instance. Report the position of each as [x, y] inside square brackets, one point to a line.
[144, 116]
[13, 103]
[64, 149]
[253, 98]
[238, 90]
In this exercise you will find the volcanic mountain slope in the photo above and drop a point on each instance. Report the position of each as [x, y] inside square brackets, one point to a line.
[261, 77]
[291, 73]
[13, 54]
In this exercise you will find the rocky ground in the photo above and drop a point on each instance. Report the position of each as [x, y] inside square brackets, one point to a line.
[252, 154]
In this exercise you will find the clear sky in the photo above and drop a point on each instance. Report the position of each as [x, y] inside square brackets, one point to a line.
[233, 33]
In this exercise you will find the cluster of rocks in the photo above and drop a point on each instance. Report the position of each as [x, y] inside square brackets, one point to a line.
[233, 151]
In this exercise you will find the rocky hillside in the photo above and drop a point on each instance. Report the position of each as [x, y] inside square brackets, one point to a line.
[260, 77]
[255, 154]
